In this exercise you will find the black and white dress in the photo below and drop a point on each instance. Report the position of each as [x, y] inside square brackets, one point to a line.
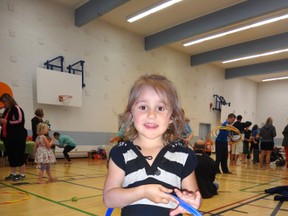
[172, 164]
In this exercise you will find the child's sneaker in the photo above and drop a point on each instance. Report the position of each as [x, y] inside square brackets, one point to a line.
[19, 177]
[10, 177]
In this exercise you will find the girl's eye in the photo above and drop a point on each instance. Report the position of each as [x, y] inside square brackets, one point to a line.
[161, 108]
[142, 107]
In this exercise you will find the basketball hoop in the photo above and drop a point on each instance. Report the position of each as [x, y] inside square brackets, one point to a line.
[65, 99]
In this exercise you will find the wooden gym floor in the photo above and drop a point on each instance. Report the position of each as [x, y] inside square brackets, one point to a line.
[240, 193]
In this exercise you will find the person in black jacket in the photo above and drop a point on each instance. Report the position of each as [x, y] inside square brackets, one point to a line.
[14, 136]
[205, 171]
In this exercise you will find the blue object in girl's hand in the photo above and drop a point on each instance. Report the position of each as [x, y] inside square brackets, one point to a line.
[182, 203]
[109, 211]
[187, 207]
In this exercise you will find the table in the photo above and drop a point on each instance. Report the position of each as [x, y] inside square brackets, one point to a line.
[28, 150]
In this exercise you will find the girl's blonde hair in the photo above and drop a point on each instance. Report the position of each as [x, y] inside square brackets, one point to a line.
[167, 91]
[41, 126]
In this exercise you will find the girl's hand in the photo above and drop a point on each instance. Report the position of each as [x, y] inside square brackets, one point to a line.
[158, 194]
[192, 198]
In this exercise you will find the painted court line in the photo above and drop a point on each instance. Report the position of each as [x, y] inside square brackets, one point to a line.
[73, 183]
[274, 213]
[49, 200]
[238, 204]
[81, 198]
[277, 208]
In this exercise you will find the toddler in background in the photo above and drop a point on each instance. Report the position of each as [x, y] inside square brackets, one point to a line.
[43, 153]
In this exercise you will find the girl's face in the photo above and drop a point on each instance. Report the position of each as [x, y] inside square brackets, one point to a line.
[150, 115]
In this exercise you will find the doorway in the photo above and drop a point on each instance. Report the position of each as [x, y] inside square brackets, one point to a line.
[204, 129]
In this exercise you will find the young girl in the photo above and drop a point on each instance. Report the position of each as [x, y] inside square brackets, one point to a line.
[146, 169]
[43, 152]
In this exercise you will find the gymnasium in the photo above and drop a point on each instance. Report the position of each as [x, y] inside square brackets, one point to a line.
[77, 60]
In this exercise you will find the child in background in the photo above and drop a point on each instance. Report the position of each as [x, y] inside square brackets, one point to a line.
[66, 142]
[43, 153]
[187, 134]
[255, 140]
[221, 144]
[146, 168]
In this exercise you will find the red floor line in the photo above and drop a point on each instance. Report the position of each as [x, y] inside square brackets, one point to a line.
[222, 207]
[260, 206]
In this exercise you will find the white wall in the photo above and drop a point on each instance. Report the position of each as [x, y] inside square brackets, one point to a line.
[33, 31]
[242, 93]
[272, 101]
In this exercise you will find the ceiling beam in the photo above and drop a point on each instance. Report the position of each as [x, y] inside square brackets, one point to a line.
[94, 9]
[219, 19]
[275, 42]
[257, 69]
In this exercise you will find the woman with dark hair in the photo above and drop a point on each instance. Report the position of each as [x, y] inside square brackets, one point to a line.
[14, 136]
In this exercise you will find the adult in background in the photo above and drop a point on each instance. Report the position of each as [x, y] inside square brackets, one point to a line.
[38, 118]
[221, 145]
[14, 136]
[205, 171]
[285, 143]
[267, 134]
[39, 114]
[66, 142]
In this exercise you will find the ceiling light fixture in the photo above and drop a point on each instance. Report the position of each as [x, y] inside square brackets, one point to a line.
[255, 56]
[273, 79]
[157, 7]
[264, 22]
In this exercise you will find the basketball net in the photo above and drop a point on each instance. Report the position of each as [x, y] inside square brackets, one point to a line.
[65, 99]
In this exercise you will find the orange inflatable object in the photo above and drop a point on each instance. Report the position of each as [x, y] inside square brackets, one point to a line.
[4, 88]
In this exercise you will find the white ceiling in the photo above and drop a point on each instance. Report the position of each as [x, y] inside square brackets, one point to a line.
[188, 10]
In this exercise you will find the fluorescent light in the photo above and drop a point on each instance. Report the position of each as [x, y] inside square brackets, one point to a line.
[255, 56]
[275, 19]
[273, 79]
[157, 7]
